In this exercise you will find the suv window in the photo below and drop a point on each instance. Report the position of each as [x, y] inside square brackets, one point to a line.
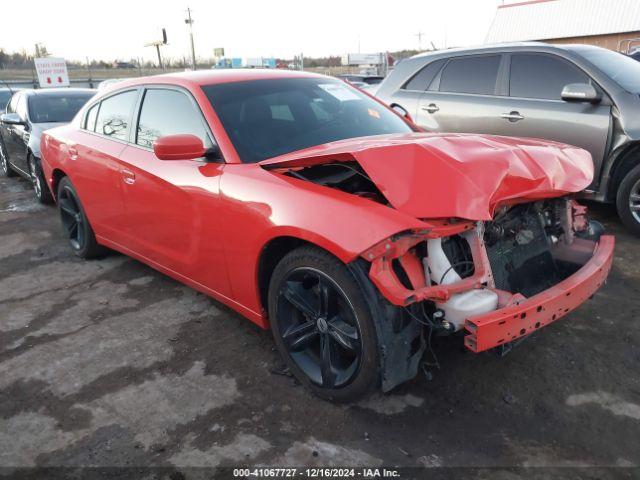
[424, 77]
[169, 112]
[476, 74]
[115, 114]
[541, 76]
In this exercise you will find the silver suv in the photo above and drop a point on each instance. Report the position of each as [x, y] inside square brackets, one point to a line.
[576, 94]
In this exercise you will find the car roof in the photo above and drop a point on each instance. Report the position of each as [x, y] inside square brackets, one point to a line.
[47, 92]
[496, 47]
[212, 77]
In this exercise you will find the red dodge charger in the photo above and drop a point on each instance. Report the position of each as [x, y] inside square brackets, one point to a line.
[316, 211]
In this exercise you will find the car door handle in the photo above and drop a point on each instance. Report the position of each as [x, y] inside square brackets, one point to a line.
[73, 153]
[128, 176]
[512, 116]
[431, 108]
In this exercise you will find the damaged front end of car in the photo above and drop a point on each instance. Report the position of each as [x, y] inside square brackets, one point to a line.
[531, 265]
[503, 248]
[492, 281]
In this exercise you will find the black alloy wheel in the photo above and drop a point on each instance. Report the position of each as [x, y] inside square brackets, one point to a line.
[319, 328]
[75, 224]
[71, 217]
[322, 325]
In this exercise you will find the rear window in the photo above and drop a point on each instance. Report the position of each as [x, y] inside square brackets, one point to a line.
[424, 77]
[471, 75]
[114, 116]
[56, 108]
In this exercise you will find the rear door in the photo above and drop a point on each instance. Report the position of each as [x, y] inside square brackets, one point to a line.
[172, 207]
[535, 108]
[96, 171]
[409, 94]
[465, 96]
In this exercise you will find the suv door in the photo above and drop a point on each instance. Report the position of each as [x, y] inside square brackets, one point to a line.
[464, 97]
[172, 207]
[536, 109]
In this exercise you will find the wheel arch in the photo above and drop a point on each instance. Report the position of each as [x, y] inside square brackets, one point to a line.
[56, 175]
[272, 253]
[625, 161]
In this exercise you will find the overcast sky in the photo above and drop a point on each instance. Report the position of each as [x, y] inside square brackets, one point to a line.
[118, 29]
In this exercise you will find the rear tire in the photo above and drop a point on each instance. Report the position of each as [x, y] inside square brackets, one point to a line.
[628, 200]
[75, 223]
[323, 326]
[5, 168]
[37, 180]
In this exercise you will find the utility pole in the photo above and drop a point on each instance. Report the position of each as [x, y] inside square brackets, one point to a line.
[420, 35]
[189, 21]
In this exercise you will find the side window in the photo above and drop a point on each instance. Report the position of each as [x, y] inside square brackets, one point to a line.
[90, 120]
[115, 114]
[422, 79]
[21, 107]
[476, 74]
[541, 76]
[169, 112]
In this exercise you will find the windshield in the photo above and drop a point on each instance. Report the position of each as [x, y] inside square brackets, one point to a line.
[56, 108]
[624, 70]
[5, 95]
[267, 118]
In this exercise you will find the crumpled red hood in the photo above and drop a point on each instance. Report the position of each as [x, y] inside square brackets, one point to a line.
[457, 175]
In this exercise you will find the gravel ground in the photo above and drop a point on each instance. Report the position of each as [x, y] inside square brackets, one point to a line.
[109, 363]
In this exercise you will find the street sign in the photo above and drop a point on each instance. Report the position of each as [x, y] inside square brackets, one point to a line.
[218, 52]
[362, 59]
[52, 72]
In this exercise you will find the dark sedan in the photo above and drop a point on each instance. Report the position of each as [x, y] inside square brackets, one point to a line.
[28, 114]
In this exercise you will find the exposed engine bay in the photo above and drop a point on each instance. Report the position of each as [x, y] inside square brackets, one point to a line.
[346, 176]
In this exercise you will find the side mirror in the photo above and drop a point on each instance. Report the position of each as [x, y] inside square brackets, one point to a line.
[11, 119]
[580, 92]
[179, 147]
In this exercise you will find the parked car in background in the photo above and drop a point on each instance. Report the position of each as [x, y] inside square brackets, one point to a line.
[5, 96]
[315, 210]
[28, 114]
[576, 94]
[368, 79]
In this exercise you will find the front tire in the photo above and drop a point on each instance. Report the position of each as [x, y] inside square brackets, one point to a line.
[5, 168]
[38, 182]
[75, 224]
[323, 326]
[628, 200]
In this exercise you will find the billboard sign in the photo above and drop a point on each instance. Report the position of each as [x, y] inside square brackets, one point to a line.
[362, 59]
[52, 72]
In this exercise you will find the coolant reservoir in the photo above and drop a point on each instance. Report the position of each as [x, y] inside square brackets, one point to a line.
[461, 305]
